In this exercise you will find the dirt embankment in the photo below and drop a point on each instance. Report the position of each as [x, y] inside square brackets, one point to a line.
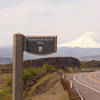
[54, 93]
[48, 88]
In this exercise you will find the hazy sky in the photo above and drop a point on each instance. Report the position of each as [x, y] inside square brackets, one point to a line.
[68, 19]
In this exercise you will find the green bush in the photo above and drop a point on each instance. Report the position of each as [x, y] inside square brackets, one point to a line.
[46, 67]
[29, 72]
[82, 67]
[32, 71]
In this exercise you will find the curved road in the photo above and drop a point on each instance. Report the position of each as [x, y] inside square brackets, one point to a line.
[88, 84]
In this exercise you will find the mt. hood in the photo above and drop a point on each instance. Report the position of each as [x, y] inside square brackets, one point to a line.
[85, 41]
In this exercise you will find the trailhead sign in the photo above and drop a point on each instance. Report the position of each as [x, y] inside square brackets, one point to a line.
[39, 45]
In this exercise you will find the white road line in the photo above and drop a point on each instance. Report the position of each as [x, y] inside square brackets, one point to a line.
[71, 84]
[79, 94]
[74, 77]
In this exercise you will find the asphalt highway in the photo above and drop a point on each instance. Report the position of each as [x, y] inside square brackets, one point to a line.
[88, 84]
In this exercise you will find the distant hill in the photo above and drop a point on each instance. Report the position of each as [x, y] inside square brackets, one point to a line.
[80, 53]
[6, 51]
[5, 60]
[89, 58]
[56, 61]
[92, 63]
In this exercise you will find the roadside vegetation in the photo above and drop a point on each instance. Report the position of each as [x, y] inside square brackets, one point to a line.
[6, 79]
[5, 89]
[84, 68]
[33, 71]
[47, 80]
[76, 69]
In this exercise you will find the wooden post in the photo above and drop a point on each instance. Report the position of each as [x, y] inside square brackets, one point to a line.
[18, 48]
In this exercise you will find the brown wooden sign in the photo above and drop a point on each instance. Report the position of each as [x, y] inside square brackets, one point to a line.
[36, 45]
[40, 45]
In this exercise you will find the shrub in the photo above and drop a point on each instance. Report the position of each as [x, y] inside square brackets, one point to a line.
[82, 67]
[46, 67]
[51, 68]
[29, 72]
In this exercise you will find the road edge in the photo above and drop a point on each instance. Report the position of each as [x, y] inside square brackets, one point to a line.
[74, 77]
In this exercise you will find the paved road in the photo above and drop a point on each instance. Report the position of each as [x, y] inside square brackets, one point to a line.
[88, 84]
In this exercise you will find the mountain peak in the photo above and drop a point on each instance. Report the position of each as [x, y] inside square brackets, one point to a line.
[85, 41]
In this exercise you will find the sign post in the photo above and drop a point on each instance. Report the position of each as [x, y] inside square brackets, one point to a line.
[38, 45]
[18, 66]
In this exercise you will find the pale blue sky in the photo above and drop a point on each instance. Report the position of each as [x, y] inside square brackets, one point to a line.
[68, 19]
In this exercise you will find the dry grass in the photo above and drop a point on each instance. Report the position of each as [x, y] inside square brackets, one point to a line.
[5, 93]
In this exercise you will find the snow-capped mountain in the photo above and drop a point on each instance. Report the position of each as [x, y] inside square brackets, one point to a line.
[85, 41]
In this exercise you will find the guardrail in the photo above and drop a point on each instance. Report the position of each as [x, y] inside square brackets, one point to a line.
[74, 93]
